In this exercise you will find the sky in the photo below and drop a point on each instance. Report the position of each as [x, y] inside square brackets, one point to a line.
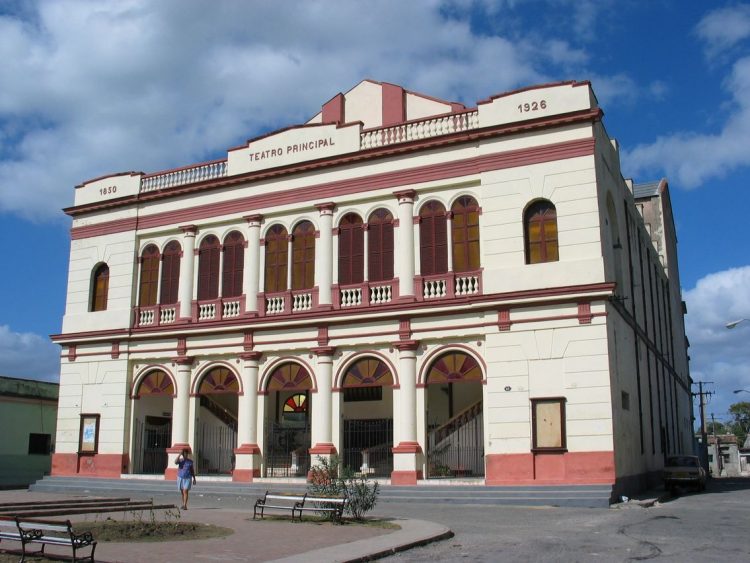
[89, 88]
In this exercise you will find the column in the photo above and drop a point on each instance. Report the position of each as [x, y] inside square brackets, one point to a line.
[247, 455]
[406, 244]
[180, 414]
[366, 257]
[324, 256]
[250, 279]
[187, 267]
[407, 454]
[321, 407]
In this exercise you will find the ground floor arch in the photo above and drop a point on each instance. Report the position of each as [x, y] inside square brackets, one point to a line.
[286, 435]
[152, 422]
[216, 421]
[454, 417]
[366, 403]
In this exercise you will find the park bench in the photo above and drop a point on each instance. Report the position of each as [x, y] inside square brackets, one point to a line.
[298, 503]
[47, 532]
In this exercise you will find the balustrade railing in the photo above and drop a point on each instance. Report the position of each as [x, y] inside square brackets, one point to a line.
[155, 315]
[419, 129]
[217, 309]
[181, 176]
[450, 284]
[302, 301]
[365, 294]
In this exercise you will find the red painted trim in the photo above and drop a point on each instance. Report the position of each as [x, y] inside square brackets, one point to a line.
[401, 478]
[245, 475]
[407, 448]
[325, 448]
[324, 351]
[248, 449]
[97, 465]
[256, 356]
[334, 110]
[404, 329]
[503, 320]
[405, 345]
[255, 218]
[584, 313]
[183, 360]
[573, 468]
[333, 190]
[72, 353]
[405, 194]
[393, 104]
[329, 206]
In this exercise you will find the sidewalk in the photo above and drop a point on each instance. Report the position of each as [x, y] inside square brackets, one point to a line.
[257, 540]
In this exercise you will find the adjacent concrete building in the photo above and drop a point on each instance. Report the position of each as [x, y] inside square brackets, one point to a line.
[28, 417]
[427, 290]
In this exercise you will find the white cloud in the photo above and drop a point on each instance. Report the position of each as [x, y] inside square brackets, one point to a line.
[28, 356]
[722, 29]
[689, 159]
[719, 354]
[97, 88]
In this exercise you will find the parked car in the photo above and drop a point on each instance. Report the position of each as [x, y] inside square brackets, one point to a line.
[684, 471]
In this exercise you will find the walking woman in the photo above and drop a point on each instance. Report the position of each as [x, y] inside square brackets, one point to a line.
[185, 475]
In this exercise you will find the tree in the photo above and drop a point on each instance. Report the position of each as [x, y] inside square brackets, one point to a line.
[740, 424]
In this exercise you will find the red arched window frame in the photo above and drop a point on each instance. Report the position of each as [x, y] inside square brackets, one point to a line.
[170, 273]
[380, 246]
[465, 234]
[540, 230]
[149, 283]
[208, 268]
[277, 259]
[234, 265]
[100, 288]
[303, 256]
[351, 249]
[433, 239]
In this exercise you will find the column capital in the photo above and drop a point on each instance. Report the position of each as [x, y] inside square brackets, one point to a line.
[188, 229]
[406, 196]
[325, 208]
[406, 345]
[324, 351]
[252, 356]
[184, 360]
[253, 220]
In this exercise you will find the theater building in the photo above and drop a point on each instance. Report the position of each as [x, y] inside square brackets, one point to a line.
[426, 290]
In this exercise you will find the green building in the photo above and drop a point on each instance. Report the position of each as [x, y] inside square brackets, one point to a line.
[28, 417]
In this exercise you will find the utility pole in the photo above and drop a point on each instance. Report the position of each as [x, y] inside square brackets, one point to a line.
[704, 438]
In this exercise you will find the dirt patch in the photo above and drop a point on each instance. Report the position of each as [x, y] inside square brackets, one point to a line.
[135, 531]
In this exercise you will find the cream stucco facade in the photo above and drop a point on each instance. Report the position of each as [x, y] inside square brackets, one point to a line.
[396, 337]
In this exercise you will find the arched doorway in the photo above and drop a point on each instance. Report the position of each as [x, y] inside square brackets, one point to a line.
[152, 422]
[287, 425]
[455, 427]
[216, 422]
[367, 411]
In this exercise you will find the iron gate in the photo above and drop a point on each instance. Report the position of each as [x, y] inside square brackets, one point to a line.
[287, 450]
[456, 449]
[151, 440]
[368, 447]
[216, 444]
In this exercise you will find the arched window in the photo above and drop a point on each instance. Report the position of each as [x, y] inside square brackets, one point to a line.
[380, 246]
[277, 259]
[351, 249]
[208, 268]
[149, 276]
[170, 273]
[433, 239]
[303, 256]
[540, 232]
[234, 264]
[465, 234]
[99, 288]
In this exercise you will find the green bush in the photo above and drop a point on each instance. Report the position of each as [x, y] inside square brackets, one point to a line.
[327, 479]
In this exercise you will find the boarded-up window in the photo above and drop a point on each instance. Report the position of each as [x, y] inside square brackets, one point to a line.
[540, 230]
[170, 273]
[351, 249]
[234, 264]
[277, 256]
[433, 239]
[208, 268]
[548, 419]
[303, 256]
[149, 276]
[465, 234]
[380, 246]
[100, 288]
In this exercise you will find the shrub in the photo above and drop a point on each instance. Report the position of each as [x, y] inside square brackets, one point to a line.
[326, 479]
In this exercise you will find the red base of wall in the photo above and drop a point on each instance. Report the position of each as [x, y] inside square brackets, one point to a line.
[405, 477]
[96, 465]
[554, 468]
[323, 449]
[245, 475]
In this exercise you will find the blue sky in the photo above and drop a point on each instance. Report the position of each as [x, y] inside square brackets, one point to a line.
[91, 88]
